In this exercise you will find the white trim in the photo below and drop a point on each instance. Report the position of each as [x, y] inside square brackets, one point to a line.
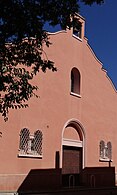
[105, 160]
[57, 32]
[92, 51]
[74, 120]
[78, 15]
[111, 82]
[75, 94]
[76, 37]
[80, 126]
[30, 156]
[71, 142]
[113, 85]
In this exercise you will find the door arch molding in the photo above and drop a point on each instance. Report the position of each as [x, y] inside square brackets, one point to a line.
[76, 124]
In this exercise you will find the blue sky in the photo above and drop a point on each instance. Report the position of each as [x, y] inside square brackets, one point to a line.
[101, 31]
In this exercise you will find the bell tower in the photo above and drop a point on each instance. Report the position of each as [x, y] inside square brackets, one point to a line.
[78, 26]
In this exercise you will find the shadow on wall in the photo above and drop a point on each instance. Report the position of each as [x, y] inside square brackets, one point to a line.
[44, 180]
[41, 180]
[98, 177]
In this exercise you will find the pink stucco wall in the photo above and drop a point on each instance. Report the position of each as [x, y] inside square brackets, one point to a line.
[96, 110]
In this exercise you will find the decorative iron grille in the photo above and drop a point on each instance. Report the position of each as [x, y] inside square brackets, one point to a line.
[109, 146]
[102, 146]
[24, 140]
[38, 142]
[105, 151]
[30, 144]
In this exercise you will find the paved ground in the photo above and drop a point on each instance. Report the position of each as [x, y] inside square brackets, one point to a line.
[82, 191]
[70, 191]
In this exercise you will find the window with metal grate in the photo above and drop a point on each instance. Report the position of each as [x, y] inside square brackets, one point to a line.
[105, 151]
[30, 145]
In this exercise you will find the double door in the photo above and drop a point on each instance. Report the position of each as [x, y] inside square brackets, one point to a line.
[72, 165]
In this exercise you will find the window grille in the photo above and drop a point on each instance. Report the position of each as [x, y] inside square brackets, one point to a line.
[24, 140]
[38, 142]
[109, 146]
[30, 145]
[105, 151]
[102, 146]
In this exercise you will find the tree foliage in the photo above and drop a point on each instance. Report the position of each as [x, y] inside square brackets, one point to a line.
[22, 36]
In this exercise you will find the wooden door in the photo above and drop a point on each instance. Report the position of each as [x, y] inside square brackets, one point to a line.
[72, 160]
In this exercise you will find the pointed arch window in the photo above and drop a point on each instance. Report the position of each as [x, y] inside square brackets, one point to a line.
[75, 81]
[30, 145]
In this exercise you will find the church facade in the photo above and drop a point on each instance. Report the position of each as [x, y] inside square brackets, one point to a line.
[70, 131]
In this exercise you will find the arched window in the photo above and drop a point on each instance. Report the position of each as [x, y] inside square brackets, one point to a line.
[109, 146]
[75, 81]
[102, 148]
[38, 142]
[24, 140]
[77, 28]
[30, 145]
[105, 151]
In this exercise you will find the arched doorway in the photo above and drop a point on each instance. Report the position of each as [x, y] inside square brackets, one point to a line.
[72, 153]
